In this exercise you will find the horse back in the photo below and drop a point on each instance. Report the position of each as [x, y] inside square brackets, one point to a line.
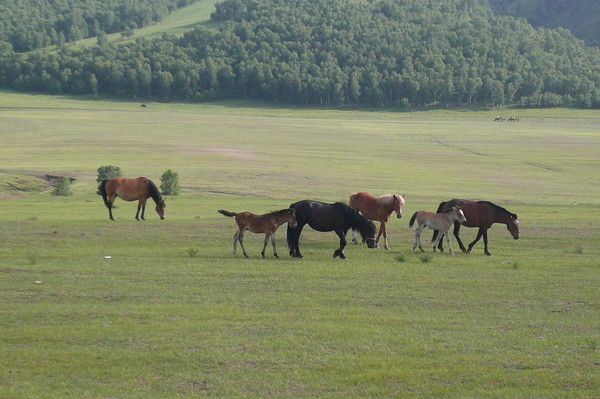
[128, 189]
[370, 206]
[478, 213]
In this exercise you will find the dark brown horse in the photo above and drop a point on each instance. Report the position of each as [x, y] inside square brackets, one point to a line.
[140, 189]
[480, 214]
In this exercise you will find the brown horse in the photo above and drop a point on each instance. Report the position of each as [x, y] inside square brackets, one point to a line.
[481, 214]
[379, 209]
[267, 223]
[438, 222]
[140, 189]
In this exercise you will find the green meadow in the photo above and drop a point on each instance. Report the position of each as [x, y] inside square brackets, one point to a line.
[173, 313]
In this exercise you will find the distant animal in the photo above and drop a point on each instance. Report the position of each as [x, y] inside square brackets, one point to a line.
[143, 105]
[513, 119]
[499, 119]
[379, 209]
[436, 221]
[325, 217]
[132, 189]
[267, 223]
[480, 214]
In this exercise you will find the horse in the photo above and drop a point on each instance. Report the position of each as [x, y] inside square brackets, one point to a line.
[513, 119]
[481, 214]
[499, 119]
[438, 222]
[140, 189]
[325, 217]
[267, 223]
[379, 209]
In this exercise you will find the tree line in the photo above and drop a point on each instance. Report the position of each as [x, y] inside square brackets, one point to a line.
[30, 24]
[392, 53]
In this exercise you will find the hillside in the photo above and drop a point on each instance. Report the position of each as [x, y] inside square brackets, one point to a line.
[316, 52]
[581, 17]
[31, 24]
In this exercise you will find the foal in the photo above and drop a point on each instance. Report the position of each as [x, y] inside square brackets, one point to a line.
[267, 223]
[436, 221]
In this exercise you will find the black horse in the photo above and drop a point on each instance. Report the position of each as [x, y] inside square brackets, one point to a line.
[324, 217]
[481, 214]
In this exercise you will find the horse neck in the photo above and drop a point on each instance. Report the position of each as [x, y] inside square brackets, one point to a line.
[281, 219]
[154, 193]
[500, 215]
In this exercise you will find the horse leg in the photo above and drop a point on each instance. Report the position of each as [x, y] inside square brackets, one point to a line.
[379, 235]
[385, 241]
[267, 237]
[354, 240]
[485, 243]
[138, 210]
[241, 239]
[457, 235]
[418, 233]
[144, 208]
[439, 239]
[471, 245]
[110, 206]
[340, 251]
[235, 241]
[447, 235]
[273, 243]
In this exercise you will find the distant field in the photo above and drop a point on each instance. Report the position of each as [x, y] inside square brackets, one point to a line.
[154, 322]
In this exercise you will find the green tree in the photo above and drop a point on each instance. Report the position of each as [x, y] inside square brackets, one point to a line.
[63, 188]
[169, 182]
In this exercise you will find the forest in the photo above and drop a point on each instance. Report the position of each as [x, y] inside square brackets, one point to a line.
[386, 53]
[581, 17]
[30, 24]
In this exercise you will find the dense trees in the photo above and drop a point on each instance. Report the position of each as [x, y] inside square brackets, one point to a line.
[29, 24]
[333, 52]
[581, 17]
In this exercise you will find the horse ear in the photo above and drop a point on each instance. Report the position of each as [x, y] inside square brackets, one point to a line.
[403, 195]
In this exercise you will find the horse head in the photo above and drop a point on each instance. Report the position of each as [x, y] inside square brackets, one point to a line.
[160, 209]
[459, 216]
[399, 201]
[292, 222]
[512, 224]
[368, 234]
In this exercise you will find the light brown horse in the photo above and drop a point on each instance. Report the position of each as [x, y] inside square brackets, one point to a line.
[379, 209]
[436, 221]
[139, 188]
[267, 223]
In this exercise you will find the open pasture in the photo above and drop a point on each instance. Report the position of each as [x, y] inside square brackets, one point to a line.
[173, 313]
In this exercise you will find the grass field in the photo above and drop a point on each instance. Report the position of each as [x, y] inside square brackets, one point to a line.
[154, 322]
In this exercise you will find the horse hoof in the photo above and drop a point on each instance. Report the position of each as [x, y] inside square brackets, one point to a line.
[342, 256]
[246, 255]
[275, 255]
[262, 254]
[387, 248]
[487, 254]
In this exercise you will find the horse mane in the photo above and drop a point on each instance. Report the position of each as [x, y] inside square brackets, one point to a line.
[154, 193]
[498, 208]
[356, 219]
[278, 213]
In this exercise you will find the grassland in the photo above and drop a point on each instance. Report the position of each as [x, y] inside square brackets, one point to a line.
[154, 322]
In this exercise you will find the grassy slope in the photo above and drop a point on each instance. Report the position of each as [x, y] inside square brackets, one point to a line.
[176, 23]
[152, 322]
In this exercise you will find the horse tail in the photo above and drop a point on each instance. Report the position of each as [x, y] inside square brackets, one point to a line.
[227, 213]
[412, 219]
[103, 193]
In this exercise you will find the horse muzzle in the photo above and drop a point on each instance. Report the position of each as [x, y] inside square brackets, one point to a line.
[516, 237]
[399, 216]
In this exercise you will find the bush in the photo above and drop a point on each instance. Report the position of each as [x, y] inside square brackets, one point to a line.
[169, 182]
[107, 172]
[63, 188]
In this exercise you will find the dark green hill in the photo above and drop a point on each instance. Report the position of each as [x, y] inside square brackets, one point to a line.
[29, 24]
[581, 17]
[333, 52]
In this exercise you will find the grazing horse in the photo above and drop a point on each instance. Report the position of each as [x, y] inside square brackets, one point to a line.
[267, 223]
[379, 209]
[481, 214]
[499, 119]
[438, 222]
[324, 217]
[140, 189]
